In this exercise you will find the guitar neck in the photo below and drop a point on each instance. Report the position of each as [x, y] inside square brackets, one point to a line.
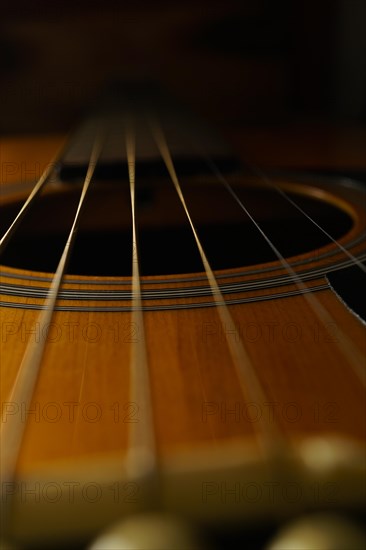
[135, 108]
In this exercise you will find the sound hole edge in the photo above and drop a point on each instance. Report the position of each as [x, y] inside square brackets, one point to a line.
[103, 247]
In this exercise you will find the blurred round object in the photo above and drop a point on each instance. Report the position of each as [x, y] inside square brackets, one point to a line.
[149, 532]
[319, 532]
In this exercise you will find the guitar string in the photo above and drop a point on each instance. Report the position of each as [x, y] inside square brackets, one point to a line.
[271, 438]
[346, 344]
[354, 356]
[34, 193]
[23, 388]
[271, 184]
[42, 181]
[142, 448]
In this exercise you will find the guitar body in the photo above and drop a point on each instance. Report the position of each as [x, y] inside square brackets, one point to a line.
[252, 410]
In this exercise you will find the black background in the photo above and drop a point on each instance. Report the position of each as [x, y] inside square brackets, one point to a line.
[236, 62]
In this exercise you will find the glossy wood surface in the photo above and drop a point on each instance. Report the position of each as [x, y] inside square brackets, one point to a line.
[209, 425]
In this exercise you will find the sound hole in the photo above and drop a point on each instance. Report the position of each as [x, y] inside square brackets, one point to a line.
[166, 245]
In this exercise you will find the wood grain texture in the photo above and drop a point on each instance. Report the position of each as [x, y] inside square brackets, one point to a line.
[207, 429]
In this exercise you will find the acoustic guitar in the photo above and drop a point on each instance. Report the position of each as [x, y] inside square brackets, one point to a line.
[173, 338]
